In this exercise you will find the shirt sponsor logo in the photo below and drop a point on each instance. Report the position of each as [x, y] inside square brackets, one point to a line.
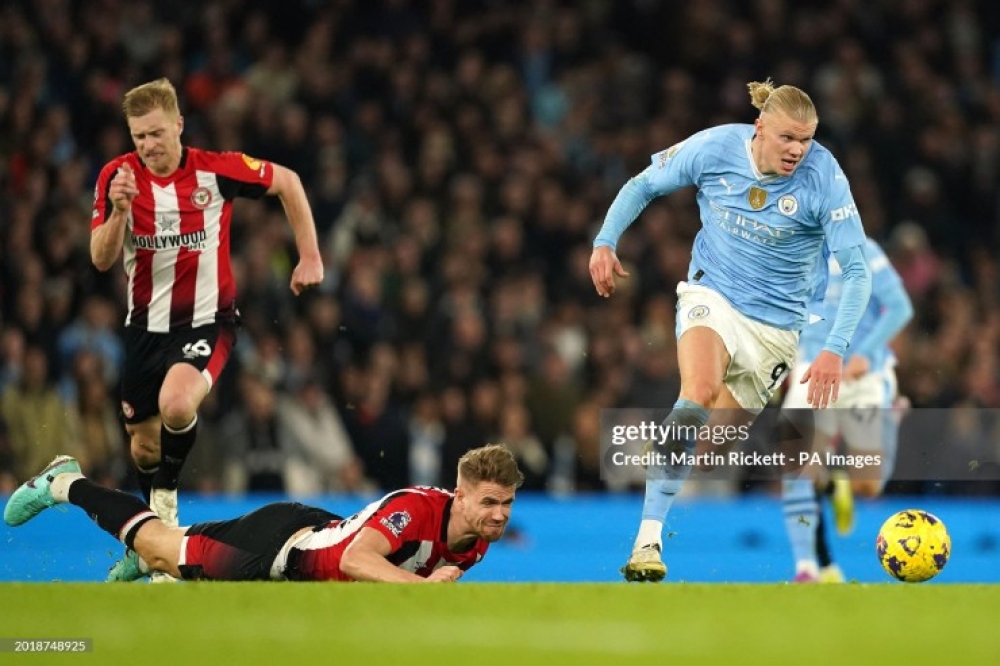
[193, 241]
[751, 230]
[844, 212]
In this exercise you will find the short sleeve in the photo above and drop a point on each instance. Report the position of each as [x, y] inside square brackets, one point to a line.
[240, 175]
[407, 517]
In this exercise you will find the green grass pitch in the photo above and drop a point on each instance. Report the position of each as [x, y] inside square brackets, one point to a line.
[479, 624]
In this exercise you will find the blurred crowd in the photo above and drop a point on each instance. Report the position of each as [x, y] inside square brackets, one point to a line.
[460, 156]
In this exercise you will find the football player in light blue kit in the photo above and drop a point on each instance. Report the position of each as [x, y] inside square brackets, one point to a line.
[769, 198]
[863, 416]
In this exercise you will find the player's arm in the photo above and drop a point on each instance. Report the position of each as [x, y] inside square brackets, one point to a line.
[108, 237]
[365, 559]
[825, 372]
[670, 170]
[895, 308]
[287, 186]
[857, 290]
[630, 201]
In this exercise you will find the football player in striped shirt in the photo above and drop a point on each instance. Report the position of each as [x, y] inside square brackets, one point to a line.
[168, 208]
[413, 535]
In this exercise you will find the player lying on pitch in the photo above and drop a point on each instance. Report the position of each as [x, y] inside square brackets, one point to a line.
[414, 535]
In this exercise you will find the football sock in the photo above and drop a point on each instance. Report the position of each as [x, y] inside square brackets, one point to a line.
[823, 556]
[144, 475]
[117, 513]
[175, 445]
[798, 499]
[664, 482]
[59, 486]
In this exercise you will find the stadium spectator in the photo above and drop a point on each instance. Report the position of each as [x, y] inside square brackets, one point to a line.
[773, 205]
[38, 420]
[416, 534]
[318, 453]
[170, 208]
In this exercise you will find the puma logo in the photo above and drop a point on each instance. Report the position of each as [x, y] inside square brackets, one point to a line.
[729, 188]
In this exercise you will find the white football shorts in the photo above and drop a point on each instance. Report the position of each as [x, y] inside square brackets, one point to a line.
[761, 355]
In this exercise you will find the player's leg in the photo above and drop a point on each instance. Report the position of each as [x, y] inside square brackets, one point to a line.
[195, 359]
[813, 432]
[182, 392]
[800, 432]
[142, 375]
[144, 448]
[829, 572]
[702, 360]
[867, 429]
[120, 514]
[247, 548]
[891, 419]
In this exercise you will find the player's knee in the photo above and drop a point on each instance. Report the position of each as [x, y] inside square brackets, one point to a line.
[176, 410]
[867, 488]
[155, 561]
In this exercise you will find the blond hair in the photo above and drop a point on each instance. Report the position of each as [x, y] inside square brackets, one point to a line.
[492, 463]
[158, 94]
[788, 100]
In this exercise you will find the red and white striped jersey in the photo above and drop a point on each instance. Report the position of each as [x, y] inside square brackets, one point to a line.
[177, 239]
[414, 520]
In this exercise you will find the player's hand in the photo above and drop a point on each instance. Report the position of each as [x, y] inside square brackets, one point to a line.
[123, 189]
[446, 574]
[604, 266]
[823, 377]
[857, 367]
[308, 273]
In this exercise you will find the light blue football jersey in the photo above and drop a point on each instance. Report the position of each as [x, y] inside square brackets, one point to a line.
[762, 237]
[885, 280]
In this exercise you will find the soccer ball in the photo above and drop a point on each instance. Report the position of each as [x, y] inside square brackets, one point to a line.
[913, 546]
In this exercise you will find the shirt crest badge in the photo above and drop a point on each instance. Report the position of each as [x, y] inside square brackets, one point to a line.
[788, 205]
[757, 198]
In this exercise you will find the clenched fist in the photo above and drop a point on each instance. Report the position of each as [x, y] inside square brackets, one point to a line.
[123, 189]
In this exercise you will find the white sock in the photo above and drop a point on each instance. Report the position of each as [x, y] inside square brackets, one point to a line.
[807, 566]
[59, 487]
[650, 532]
